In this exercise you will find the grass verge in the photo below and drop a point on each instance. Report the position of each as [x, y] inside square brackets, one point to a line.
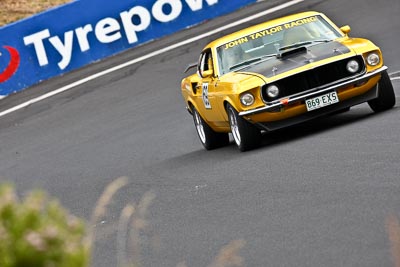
[11, 10]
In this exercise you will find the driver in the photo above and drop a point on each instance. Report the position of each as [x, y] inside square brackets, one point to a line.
[232, 56]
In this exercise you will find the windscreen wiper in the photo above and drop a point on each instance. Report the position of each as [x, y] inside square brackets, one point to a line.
[251, 61]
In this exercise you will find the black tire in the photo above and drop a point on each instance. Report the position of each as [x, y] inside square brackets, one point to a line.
[386, 98]
[208, 137]
[245, 134]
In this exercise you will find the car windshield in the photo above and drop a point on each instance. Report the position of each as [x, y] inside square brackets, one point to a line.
[267, 43]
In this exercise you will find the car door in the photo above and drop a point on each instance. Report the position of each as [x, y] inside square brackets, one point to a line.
[208, 96]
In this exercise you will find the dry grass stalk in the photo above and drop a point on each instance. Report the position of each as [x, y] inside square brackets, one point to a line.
[123, 225]
[181, 264]
[229, 255]
[101, 206]
[139, 224]
[393, 229]
[132, 221]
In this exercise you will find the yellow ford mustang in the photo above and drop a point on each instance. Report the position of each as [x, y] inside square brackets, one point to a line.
[280, 73]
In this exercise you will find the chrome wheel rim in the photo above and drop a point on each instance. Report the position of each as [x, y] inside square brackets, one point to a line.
[234, 127]
[199, 127]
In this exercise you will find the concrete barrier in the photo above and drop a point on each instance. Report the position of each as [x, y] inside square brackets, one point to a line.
[84, 31]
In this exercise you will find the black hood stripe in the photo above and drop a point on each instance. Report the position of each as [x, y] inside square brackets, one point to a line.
[275, 66]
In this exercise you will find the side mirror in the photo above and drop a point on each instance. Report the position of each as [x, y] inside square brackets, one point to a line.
[345, 29]
[206, 73]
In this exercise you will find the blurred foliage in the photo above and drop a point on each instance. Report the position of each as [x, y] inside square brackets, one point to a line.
[37, 231]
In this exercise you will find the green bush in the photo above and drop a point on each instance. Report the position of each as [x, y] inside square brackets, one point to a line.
[37, 231]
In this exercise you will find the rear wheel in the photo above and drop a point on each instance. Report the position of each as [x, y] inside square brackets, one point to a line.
[245, 134]
[386, 98]
[208, 137]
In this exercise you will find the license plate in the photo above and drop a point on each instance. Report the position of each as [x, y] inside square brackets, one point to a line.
[322, 101]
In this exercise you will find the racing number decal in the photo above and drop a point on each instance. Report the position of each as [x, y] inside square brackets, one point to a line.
[206, 101]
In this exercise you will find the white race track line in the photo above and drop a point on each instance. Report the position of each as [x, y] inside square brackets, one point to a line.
[145, 57]
[395, 76]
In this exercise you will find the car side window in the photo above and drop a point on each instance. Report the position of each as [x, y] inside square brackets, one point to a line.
[205, 62]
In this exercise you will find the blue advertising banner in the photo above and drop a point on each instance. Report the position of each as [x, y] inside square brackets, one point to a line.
[76, 34]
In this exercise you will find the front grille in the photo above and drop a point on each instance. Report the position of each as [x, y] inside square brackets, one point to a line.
[314, 78]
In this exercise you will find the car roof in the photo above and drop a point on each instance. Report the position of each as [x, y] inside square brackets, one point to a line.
[246, 31]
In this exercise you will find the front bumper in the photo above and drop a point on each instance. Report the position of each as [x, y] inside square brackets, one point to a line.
[275, 125]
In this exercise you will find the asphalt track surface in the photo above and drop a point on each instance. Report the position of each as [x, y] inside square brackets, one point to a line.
[318, 194]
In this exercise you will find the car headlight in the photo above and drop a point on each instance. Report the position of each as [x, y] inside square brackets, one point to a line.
[247, 99]
[353, 66]
[373, 59]
[272, 91]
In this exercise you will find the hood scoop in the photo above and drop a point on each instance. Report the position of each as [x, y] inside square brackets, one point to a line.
[292, 52]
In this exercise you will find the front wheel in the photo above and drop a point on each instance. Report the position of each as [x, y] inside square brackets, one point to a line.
[208, 137]
[245, 134]
[386, 98]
